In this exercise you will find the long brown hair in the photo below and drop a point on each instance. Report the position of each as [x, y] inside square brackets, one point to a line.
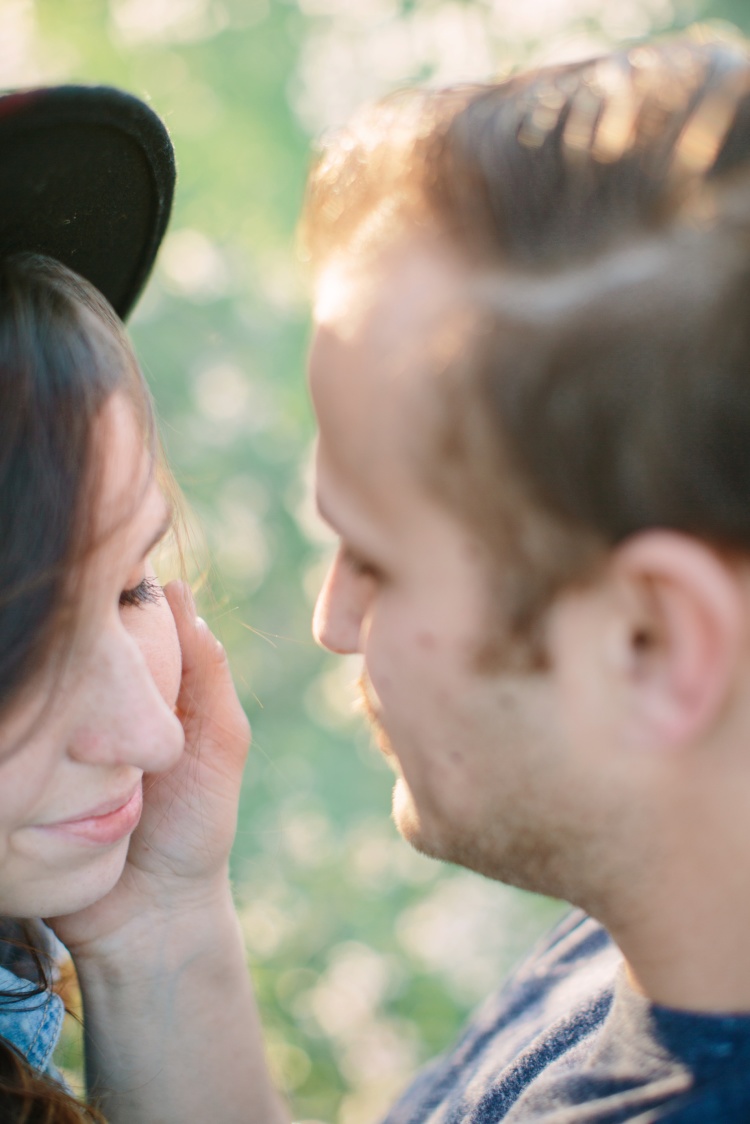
[62, 354]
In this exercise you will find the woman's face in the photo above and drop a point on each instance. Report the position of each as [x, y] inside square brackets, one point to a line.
[74, 749]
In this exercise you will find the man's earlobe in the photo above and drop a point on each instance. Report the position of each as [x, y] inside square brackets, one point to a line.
[686, 624]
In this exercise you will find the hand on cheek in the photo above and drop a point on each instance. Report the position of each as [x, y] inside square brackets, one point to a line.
[177, 861]
[190, 813]
[207, 702]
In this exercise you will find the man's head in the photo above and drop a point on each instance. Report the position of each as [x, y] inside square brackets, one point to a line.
[530, 374]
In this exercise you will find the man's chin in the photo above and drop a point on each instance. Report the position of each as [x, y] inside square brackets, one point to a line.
[408, 822]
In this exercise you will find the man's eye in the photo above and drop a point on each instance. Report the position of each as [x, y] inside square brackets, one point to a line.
[358, 565]
[147, 592]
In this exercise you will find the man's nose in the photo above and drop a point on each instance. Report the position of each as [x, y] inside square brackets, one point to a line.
[123, 719]
[340, 609]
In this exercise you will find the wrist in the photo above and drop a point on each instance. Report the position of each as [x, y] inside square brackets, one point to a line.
[163, 934]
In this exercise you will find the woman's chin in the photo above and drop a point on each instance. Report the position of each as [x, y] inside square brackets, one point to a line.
[63, 893]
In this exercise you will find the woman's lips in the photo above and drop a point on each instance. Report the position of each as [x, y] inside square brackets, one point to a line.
[103, 827]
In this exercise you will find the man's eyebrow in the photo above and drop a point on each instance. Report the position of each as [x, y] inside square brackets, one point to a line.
[162, 529]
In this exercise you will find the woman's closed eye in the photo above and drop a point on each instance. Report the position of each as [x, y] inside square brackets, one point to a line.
[147, 592]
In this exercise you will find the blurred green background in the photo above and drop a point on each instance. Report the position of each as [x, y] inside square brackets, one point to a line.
[367, 957]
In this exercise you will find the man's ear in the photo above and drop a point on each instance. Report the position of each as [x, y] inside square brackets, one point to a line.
[680, 638]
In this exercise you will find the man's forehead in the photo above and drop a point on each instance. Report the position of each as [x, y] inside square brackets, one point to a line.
[367, 407]
[385, 327]
[399, 289]
[380, 343]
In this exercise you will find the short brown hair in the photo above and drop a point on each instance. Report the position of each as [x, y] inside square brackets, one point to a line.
[604, 208]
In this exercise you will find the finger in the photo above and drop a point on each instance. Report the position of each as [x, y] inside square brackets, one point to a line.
[207, 703]
[202, 654]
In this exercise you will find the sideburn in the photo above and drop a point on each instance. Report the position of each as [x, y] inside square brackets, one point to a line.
[529, 555]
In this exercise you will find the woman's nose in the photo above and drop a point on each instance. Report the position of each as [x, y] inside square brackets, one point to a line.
[340, 609]
[122, 718]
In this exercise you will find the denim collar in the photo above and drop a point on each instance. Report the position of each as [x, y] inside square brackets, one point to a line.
[31, 1023]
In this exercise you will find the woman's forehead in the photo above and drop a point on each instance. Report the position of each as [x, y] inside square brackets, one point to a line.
[130, 511]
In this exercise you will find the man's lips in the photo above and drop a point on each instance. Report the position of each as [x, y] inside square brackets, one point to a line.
[107, 823]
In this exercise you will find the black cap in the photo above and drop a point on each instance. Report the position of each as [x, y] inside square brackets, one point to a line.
[87, 177]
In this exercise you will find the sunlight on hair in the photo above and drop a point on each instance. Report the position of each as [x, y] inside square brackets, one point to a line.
[579, 126]
[705, 132]
[615, 129]
[543, 118]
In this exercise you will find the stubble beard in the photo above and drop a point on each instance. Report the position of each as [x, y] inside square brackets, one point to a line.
[372, 716]
[523, 850]
[404, 812]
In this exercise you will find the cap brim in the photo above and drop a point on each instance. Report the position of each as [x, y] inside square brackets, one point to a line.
[87, 177]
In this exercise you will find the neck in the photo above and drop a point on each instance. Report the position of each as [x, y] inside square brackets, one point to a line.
[684, 934]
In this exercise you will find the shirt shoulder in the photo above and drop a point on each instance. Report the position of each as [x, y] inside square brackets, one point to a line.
[569, 1041]
[566, 983]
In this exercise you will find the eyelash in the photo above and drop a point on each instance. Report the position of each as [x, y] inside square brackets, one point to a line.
[146, 592]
